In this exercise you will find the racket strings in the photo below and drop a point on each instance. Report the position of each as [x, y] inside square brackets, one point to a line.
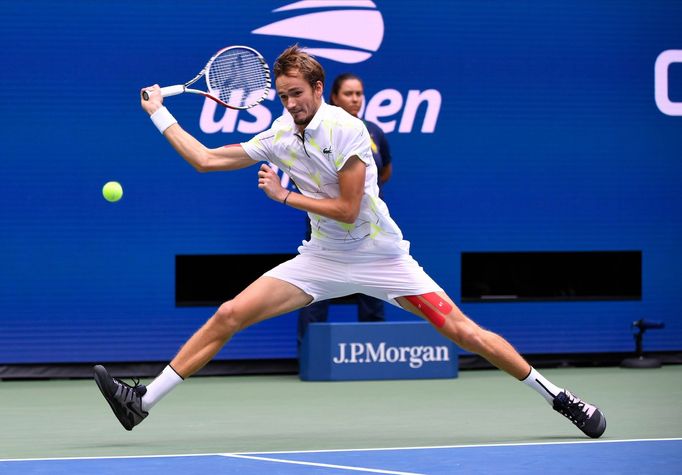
[239, 77]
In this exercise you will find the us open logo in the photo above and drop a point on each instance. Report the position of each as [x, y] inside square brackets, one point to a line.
[331, 26]
[326, 23]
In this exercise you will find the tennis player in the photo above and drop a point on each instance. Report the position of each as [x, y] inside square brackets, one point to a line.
[355, 246]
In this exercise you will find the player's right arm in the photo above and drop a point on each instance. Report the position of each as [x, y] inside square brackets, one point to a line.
[203, 159]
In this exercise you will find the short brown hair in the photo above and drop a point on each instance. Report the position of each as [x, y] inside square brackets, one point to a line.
[295, 58]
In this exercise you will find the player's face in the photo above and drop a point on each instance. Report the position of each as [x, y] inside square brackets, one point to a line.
[299, 97]
[350, 96]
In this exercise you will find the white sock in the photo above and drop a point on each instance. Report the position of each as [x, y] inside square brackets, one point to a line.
[162, 385]
[543, 386]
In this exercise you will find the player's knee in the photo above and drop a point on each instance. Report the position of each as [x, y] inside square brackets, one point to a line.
[227, 318]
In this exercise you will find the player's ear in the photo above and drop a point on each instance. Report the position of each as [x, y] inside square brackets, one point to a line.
[319, 88]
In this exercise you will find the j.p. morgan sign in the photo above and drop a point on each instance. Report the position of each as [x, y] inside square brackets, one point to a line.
[389, 350]
[413, 356]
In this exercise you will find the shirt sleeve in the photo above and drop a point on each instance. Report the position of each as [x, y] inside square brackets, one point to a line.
[258, 148]
[355, 141]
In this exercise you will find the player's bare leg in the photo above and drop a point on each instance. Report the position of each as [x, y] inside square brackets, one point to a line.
[265, 298]
[440, 310]
[453, 324]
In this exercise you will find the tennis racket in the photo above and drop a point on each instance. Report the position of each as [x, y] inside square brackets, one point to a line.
[236, 77]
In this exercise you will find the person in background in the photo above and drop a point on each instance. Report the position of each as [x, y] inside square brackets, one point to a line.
[348, 93]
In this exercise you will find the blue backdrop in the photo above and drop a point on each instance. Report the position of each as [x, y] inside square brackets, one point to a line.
[515, 126]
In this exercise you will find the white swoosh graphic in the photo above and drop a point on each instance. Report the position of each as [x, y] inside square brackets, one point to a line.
[326, 3]
[348, 56]
[332, 27]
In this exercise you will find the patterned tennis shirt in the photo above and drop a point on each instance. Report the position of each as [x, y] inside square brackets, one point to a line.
[312, 161]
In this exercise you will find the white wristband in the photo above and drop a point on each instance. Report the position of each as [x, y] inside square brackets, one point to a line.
[163, 119]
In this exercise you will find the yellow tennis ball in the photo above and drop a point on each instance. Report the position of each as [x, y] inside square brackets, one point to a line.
[112, 191]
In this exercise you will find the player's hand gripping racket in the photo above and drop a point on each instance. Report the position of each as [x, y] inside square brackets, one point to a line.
[236, 77]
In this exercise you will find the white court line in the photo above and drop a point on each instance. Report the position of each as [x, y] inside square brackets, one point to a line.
[317, 464]
[464, 446]
[111, 457]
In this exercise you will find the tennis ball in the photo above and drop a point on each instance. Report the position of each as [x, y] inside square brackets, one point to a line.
[112, 191]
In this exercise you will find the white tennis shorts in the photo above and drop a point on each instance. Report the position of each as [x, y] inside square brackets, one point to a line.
[325, 274]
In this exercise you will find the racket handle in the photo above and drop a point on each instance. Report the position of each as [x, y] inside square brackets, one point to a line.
[167, 91]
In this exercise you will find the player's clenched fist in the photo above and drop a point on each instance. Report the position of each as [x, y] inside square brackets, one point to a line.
[151, 99]
[269, 182]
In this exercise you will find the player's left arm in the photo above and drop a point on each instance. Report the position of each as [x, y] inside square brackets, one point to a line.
[344, 208]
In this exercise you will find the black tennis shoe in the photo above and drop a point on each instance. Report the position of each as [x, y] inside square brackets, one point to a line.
[586, 417]
[125, 400]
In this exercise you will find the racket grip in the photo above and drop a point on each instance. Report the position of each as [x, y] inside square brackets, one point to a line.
[167, 91]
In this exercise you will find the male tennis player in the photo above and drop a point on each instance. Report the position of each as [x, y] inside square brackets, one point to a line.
[355, 245]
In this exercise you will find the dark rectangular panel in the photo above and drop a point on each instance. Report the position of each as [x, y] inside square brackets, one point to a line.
[584, 275]
[209, 280]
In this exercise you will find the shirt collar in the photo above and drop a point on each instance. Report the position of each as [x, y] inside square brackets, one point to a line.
[317, 118]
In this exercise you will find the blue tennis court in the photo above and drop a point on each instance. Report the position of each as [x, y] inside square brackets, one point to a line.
[652, 456]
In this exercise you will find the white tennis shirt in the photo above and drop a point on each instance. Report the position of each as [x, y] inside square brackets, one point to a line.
[312, 161]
